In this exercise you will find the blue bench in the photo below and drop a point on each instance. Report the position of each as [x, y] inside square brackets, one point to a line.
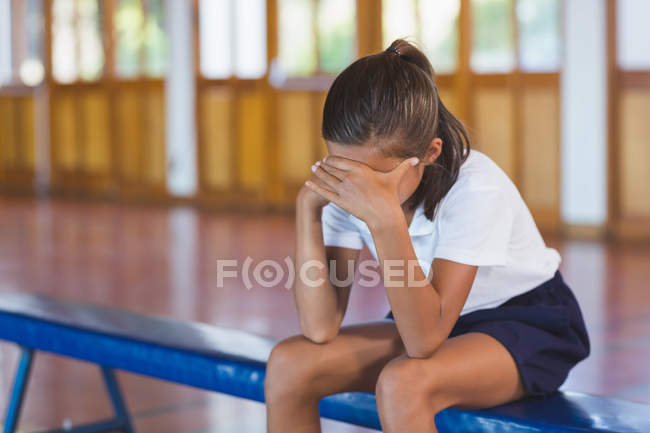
[234, 362]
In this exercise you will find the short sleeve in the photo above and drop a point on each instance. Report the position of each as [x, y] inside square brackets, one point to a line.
[338, 229]
[475, 227]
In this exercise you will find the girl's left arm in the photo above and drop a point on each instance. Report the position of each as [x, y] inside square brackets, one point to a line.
[424, 311]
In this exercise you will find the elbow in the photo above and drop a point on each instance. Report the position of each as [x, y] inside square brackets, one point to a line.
[423, 349]
[320, 334]
[320, 337]
[420, 353]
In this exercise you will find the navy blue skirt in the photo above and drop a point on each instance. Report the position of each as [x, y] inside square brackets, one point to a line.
[543, 329]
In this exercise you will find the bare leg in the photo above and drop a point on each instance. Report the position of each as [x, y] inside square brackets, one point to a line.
[472, 370]
[299, 372]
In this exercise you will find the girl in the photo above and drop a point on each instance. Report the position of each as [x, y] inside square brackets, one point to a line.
[492, 322]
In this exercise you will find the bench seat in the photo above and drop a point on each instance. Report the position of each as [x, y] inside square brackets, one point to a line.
[234, 362]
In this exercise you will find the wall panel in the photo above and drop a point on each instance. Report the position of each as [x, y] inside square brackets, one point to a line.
[321, 147]
[296, 136]
[27, 135]
[64, 133]
[634, 157]
[4, 135]
[216, 138]
[153, 155]
[447, 96]
[493, 126]
[251, 145]
[108, 138]
[17, 141]
[129, 134]
[540, 151]
[7, 133]
[97, 133]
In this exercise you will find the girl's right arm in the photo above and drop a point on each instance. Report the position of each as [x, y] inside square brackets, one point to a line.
[321, 305]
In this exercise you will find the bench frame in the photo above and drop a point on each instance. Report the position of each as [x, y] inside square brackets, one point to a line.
[121, 421]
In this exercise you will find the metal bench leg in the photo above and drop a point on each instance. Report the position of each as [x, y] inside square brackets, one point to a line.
[121, 421]
[18, 390]
[113, 388]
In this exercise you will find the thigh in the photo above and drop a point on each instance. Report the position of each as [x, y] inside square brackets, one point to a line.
[351, 362]
[471, 371]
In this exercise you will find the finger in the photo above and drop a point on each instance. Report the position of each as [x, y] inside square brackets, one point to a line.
[341, 163]
[320, 183]
[329, 180]
[323, 192]
[336, 172]
[399, 171]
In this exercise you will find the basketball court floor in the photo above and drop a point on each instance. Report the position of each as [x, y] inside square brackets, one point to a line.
[163, 260]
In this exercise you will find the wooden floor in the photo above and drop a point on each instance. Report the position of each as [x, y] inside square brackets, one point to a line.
[164, 261]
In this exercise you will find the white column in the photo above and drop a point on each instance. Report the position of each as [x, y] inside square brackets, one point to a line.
[183, 262]
[5, 42]
[179, 101]
[584, 113]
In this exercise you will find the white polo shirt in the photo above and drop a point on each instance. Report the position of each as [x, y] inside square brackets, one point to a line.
[481, 221]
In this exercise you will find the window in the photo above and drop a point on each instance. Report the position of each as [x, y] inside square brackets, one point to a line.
[336, 25]
[316, 36]
[492, 36]
[432, 24]
[297, 41]
[141, 40]
[232, 38]
[77, 45]
[493, 43]
[154, 40]
[79, 36]
[539, 35]
[21, 42]
[633, 39]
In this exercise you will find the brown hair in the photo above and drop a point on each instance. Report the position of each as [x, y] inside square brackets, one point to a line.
[390, 99]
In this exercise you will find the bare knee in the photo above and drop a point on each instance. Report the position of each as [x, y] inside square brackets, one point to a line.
[405, 390]
[289, 369]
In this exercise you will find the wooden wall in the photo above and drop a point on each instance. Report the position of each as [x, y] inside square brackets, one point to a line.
[631, 165]
[516, 122]
[234, 143]
[256, 142]
[629, 143]
[108, 140]
[512, 117]
[104, 138]
[17, 140]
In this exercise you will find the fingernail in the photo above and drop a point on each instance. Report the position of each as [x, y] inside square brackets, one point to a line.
[325, 159]
[414, 161]
[313, 168]
[317, 163]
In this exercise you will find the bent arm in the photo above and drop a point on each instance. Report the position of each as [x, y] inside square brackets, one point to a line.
[321, 304]
[424, 311]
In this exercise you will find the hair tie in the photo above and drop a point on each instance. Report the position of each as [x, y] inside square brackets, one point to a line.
[393, 49]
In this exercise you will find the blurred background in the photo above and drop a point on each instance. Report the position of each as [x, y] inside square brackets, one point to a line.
[218, 102]
[143, 140]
